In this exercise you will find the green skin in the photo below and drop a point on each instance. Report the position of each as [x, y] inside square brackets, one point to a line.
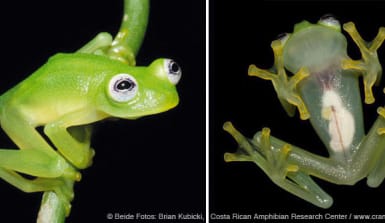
[66, 95]
[316, 54]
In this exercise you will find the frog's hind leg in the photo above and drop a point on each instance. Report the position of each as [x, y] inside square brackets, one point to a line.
[63, 190]
[286, 88]
[37, 163]
[48, 171]
[305, 188]
[376, 137]
[273, 161]
[29, 185]
[369, 65]
[36, 157]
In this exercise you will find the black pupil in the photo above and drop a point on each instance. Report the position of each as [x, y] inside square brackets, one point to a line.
[124, 85]
[174, 67]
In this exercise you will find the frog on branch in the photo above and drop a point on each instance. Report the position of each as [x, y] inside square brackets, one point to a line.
[324, 88]
[70, 92]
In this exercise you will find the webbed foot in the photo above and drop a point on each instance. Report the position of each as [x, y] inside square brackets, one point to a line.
[381, 113]
[273, 159]
[103, 44]
[369, 65]
[285, 87]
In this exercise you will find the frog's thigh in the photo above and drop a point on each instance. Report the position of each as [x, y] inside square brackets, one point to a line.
[377, 174]
[33, 162]
[35, 157]
[23, 134]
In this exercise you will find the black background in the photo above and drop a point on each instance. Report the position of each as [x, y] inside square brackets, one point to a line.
[240, 35]
[150, 165]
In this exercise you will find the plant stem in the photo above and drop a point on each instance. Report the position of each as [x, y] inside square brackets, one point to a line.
[51, 209]
[134, 24]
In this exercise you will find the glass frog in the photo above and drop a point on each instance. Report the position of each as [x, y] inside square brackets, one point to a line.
[324, 88]
[66, 95]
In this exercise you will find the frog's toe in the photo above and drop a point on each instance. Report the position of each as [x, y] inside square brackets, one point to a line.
[232, 157]
[66, 195]
[274, 157]
[245, 148]
[369, 65]
[283, 154]
[277, 159]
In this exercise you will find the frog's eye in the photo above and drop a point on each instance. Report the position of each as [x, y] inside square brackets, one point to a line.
[174, 72]
[330, 21]
[122, 87]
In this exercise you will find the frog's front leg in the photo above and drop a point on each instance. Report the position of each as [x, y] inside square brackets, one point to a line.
[369, 65]
[103, 44]
[71, 136]
[286, 88]
[273, 160]
[98, 45]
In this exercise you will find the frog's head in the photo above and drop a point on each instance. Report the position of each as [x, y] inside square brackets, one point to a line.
[140, 91]
[314, 45]
[327, 21]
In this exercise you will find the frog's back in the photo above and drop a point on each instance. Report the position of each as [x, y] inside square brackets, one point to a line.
[66, 82]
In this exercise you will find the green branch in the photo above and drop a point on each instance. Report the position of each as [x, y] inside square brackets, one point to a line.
[134, 24]
[51, 210]
[127, 42]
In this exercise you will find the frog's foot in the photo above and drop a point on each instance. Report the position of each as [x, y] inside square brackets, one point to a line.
[381, 112]
[103, 44]
[369, 65]
[264, 151]
[98, 45]
[59, 185]
[63, 189]
[273, 161]
[66, 195]
[277, 166]
[285, 87]
[245, 148]
[120, 50]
